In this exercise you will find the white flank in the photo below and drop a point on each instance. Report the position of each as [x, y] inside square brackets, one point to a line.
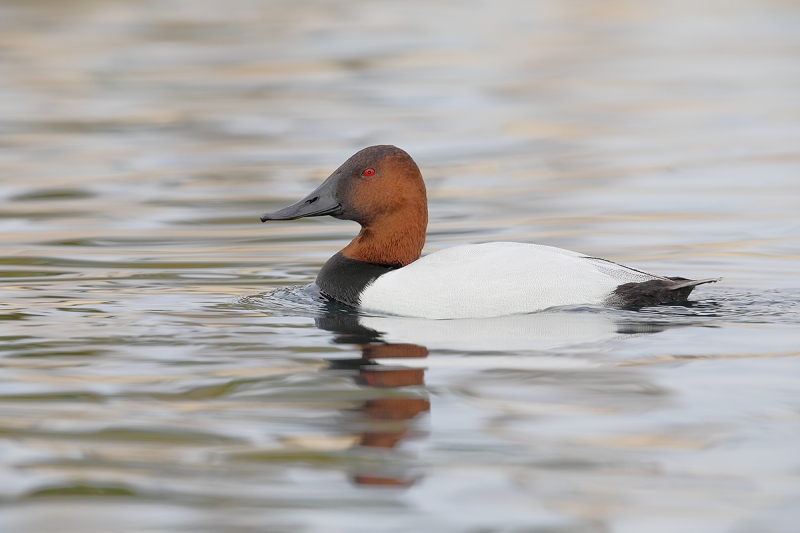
[496, 279]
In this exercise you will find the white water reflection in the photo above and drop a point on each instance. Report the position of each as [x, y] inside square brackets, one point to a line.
[535, 332]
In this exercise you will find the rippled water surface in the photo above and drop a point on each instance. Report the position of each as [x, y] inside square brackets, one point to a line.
[164, 366]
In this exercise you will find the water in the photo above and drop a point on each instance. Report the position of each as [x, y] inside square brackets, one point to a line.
[164, 368]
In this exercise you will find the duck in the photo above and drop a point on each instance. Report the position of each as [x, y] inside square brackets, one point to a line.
[382, 270]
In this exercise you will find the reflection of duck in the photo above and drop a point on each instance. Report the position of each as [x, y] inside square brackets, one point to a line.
[388, 420]
[534, 332]
[381, 188]
[395, 353]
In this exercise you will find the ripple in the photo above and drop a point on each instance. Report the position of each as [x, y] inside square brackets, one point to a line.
[286, 301]
[771, 306]
[53, 194]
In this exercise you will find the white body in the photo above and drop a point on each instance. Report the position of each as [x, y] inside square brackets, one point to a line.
[496, 279]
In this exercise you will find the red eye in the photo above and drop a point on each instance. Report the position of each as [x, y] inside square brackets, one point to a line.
[369, 172]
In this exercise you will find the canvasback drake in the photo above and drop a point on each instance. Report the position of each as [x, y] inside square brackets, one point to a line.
[381, 271]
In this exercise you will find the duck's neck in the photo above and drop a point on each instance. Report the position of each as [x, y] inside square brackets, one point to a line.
[393, 240]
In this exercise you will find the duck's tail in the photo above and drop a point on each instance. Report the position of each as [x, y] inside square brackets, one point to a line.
[655, 292]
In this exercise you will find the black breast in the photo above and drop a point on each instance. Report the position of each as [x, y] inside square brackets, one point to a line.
[343, 279]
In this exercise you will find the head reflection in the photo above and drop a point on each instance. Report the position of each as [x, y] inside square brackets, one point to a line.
[386, 420]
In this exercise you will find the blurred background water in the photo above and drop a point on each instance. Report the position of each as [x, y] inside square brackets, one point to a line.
[163, 367]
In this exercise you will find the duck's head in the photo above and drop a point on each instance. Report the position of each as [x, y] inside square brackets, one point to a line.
[381, 188]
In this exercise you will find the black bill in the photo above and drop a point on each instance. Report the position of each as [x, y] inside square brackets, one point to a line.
[322, 201]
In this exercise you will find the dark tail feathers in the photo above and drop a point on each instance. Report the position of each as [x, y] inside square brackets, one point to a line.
[656, 292]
